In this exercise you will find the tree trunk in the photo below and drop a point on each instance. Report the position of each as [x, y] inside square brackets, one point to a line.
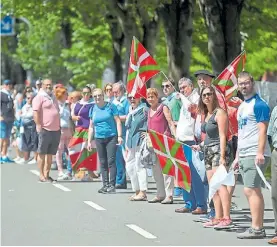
[118, 40]
[222, 19]
[177, 20]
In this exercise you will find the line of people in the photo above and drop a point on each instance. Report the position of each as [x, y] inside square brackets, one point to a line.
[232, 134]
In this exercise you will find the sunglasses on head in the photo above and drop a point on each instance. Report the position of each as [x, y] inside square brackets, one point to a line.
[204, 95]
[166, 86]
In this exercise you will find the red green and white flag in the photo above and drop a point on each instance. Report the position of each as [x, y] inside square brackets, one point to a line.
[79, 155]
[227, 82]
[142, 67]
[172, 158]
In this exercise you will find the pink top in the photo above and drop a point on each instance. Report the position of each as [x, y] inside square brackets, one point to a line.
[158, 121]
[48, 111]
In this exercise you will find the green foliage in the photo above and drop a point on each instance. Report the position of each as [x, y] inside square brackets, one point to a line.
[259, 23]
[41, 48]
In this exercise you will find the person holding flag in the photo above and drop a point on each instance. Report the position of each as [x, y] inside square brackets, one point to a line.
[253, 153]
[160, 120]
[195, 200]
[174, 106]
[216, 152]
[136, 125]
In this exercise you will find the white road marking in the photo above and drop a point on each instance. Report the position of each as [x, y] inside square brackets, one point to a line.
[35, 172]
[61, 187]
[141, 231]
[94, 205]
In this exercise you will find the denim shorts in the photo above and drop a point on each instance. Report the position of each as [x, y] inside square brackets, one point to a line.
[5, 129]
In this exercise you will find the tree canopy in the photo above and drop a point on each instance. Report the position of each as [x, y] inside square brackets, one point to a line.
[75, 40]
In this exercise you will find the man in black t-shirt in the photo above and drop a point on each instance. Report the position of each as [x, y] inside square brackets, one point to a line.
[6, 119]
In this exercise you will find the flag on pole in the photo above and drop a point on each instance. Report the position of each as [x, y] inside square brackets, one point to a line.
[227, 82]
[79, 155]
[142, 67]
[172, 158]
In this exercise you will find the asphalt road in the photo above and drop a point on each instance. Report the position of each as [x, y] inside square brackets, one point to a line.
[73, 213]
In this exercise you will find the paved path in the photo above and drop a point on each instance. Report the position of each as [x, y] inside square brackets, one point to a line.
[73, 213]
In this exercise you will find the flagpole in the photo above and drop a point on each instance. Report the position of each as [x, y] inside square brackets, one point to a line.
[168, 80]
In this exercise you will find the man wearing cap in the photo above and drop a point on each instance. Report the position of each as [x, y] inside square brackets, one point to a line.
[6, 120]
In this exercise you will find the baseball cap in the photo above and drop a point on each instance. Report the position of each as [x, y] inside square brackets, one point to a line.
[204, 72]
[7, 82]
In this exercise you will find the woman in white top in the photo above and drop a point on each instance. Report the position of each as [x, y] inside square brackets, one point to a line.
[28, 129]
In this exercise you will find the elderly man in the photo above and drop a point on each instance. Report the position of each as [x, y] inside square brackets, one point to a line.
[195, 201]
[122, 104]
[272, 133]
[47, 119]
[6, 120]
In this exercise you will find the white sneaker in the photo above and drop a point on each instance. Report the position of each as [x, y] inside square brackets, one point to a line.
[63, 176]
[21, 161]
[32, 162]
[16, 159]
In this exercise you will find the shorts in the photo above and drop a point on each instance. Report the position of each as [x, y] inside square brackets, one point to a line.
[48, 141]
[249, 173]
[5, 129]
[212, 156]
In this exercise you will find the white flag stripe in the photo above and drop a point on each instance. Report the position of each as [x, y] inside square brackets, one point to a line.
[170, 157]
[231, 68]
[76, 148]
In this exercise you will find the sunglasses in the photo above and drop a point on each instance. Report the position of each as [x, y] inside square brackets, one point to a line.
[108, 89]
[131, 97]
[28, 98]
[204, 95]
[97, 96]
[86, 93]
[166, 86]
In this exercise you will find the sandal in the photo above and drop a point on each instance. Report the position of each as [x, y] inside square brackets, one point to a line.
[138, 198]
[43, 180]
[156, 200]
[132, 196]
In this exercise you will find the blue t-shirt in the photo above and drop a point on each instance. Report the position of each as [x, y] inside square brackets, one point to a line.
[122, 106]
[103, 120]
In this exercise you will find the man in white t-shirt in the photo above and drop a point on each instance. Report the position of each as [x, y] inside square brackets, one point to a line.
[253, 151]
[195, 200]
